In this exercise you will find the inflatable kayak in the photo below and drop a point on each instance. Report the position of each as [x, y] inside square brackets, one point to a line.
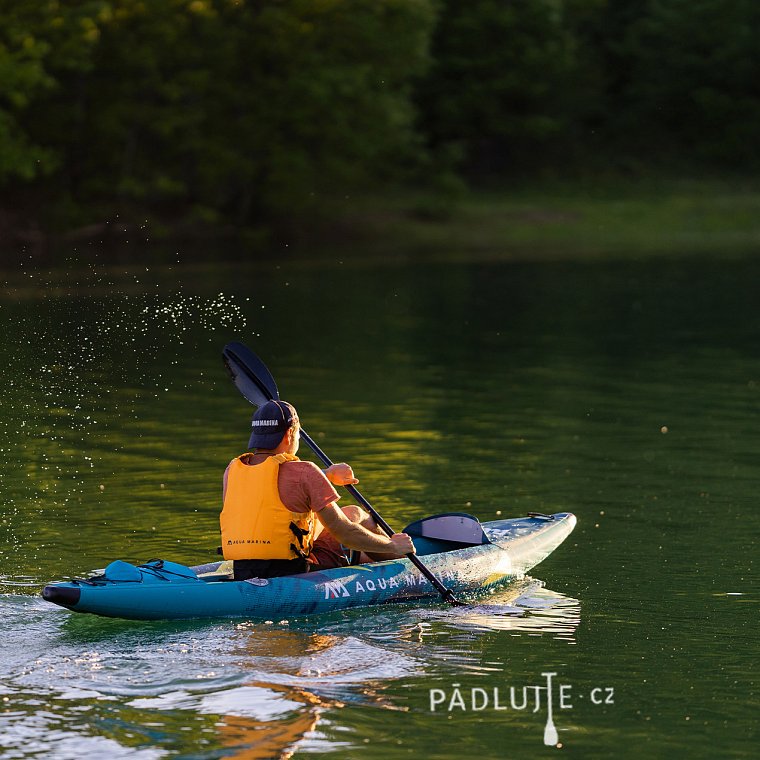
[462, 553]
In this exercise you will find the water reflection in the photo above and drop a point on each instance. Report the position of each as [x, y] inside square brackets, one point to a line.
[301, 676]
[261, 740]
[294, 677]
[249, 689]
[254, 720]
[525, 608]
[339, 666]
[568, 384]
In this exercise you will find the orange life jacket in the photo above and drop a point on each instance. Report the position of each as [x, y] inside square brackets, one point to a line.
[255, 523]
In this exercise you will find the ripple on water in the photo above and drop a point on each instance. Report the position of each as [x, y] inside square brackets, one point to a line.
[18, 581]
[256, 702]
[138, 686]
[534, 610]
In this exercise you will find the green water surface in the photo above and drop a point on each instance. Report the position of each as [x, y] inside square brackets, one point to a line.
[626, 393]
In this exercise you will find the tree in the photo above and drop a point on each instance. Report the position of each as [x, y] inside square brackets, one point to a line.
[684, 82]
[499, 91]
[243, 110]
[38, 42]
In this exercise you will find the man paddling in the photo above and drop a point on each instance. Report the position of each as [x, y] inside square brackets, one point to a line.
[280, 515]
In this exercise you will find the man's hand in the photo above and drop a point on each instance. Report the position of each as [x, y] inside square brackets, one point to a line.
[341, 474]
[402, 544]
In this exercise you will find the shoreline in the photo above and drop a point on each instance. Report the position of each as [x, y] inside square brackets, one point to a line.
[557, 222]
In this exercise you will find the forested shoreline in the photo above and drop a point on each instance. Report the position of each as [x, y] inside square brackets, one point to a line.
[234, 114]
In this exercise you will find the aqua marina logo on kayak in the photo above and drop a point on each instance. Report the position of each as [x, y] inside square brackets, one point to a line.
[533, 698]
[342, 588]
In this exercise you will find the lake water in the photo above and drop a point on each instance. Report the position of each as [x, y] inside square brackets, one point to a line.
[627, 393]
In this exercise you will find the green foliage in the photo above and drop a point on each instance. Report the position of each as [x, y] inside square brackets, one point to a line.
[551, 83]
[687, 73]
[252, 112]
[501, 84]
[245, 109]
[37, 40]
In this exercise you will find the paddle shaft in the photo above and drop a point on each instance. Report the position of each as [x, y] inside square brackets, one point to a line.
[309, 441]
[445, 592]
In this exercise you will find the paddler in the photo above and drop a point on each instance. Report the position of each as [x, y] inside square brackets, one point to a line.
[280, 515]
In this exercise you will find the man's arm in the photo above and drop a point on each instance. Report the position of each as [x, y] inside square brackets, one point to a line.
[356, 536]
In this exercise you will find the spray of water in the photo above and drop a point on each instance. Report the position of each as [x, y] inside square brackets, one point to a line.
[83, 350]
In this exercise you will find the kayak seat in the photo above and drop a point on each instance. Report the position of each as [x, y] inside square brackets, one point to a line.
[446, 532]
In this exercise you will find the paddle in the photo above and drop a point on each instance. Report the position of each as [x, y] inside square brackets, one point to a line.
[255, 382]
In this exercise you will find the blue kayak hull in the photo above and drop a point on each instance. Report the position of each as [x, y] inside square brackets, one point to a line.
[176, 592]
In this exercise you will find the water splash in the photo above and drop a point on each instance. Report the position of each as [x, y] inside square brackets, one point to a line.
[85, 350]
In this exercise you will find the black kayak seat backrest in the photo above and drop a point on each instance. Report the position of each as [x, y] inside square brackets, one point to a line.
[446, 532]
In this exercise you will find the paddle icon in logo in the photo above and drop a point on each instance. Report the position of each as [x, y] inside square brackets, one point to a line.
[550, 731]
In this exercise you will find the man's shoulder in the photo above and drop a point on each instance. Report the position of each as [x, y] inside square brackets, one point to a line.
[301, 463]
[303, 468]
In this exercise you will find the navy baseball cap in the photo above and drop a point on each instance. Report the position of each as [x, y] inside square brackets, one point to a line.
[270, 423]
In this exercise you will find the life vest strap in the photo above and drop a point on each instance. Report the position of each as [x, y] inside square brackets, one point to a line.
[299, 534]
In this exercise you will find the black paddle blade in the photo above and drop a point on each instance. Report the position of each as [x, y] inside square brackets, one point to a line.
[250, 374]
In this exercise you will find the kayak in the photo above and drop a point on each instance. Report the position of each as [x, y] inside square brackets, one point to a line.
[462, 553]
